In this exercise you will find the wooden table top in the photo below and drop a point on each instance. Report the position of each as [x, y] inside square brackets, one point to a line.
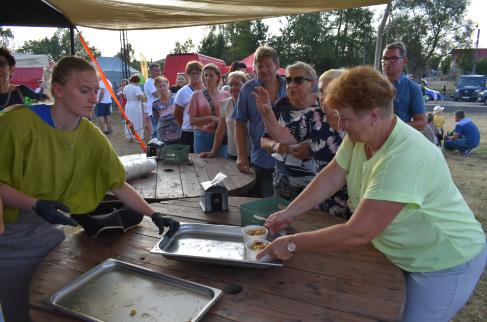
[357, 285]
[183, 181]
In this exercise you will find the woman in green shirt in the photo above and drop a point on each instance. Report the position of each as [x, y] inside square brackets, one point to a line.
[404, 200]
[55, 162]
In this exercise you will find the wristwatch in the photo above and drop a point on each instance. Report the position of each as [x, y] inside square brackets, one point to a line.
[291, 246]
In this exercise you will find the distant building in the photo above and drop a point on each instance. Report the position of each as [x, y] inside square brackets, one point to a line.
[457, 54]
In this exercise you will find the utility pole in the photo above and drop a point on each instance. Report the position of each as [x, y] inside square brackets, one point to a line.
[474, 66]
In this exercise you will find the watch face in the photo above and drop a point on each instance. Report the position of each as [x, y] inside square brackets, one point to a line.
[291, 247]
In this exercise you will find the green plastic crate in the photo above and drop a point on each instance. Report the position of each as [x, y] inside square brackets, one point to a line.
[175, 154]
[262, 208]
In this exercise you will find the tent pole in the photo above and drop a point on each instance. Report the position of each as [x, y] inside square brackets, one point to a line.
[71, 38]
[380, 33]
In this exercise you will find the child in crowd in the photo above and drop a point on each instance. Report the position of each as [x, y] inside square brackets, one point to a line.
[168, 130]
[439, 122]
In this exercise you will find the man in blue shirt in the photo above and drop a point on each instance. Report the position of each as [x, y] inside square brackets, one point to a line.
[249, 122]
[408, 102]
[466, 137]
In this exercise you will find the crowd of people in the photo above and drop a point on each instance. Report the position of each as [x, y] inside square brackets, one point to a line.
[365, 157]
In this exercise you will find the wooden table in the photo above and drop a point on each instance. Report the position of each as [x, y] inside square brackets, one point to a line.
[182, 181]
[358, 285]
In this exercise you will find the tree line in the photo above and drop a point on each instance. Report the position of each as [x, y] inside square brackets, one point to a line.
[332, 39]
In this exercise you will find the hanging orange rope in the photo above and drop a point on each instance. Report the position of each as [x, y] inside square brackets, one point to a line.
[128, 123]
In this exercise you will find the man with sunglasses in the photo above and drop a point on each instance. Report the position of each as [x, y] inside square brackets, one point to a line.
[249, 121]
[408, 102]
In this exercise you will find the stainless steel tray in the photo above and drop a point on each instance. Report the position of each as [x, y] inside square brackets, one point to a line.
[118, 291]
[216, 244]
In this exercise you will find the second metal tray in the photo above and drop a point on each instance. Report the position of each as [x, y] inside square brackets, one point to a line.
[119, 291]
[207, 243]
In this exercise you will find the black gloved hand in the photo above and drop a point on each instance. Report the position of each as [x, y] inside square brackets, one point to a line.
[52, 212]
[162, 221]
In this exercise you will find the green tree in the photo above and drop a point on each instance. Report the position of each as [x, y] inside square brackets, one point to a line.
[328, 39]
[133, 62]
[57, 47]
[213, 44]
[186, 47]
[430, 29]
[6, 36]
[234, 41]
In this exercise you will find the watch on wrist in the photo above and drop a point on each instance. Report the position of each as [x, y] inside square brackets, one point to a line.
[291, 246]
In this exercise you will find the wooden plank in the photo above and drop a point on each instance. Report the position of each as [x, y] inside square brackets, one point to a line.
[168, 184]
[358, 291]
[146, 186]
[248, 305]
[189, 180]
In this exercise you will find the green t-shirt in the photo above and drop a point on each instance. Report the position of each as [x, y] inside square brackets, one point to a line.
[76, 168]
[436, 229]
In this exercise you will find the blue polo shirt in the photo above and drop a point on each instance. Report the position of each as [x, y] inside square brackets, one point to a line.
[408, 100]
[467, 130]
[246, 111]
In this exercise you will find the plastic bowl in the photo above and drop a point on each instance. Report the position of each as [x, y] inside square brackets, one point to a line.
[254, 232]
[252, 253]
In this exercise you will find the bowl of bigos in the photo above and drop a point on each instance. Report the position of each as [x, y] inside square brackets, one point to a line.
[255, 241]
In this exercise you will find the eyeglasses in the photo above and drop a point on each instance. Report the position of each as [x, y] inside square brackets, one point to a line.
[297, 80]
[392, 59]
[235, 84]
[3, 63]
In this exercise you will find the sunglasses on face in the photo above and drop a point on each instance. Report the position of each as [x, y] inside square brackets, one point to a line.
[392, 59]
[297, 80]
[235, 84]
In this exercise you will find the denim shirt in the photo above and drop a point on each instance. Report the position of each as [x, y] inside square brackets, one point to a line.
[408, 100]
[246, 111]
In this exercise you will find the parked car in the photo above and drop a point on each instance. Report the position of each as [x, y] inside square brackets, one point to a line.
[483, 97]
[468, 87]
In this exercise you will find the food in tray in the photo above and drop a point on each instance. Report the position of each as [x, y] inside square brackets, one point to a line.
[258, 246]
[254, 232]
[254, 247]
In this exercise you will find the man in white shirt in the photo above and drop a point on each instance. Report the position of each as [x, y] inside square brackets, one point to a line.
[150, 91]
[103, 108]
[181, 101]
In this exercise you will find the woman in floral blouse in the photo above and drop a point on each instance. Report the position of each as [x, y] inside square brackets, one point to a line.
[317, 126]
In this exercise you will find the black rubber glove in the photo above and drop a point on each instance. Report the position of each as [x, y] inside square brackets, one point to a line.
[52, 212]
[162, 221]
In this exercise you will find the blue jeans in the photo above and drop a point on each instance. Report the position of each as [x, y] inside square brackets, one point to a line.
[460, 144]
[203, 142]
[438, 296]
[263, 187]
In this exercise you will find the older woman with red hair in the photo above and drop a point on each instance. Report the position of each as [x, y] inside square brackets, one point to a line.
[404, 200]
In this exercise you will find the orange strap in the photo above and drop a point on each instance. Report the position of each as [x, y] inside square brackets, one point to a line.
[128, 124]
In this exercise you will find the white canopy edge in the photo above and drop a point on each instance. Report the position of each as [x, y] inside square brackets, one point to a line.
[160, 14]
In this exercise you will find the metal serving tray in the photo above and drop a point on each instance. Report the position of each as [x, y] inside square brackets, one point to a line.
[118, 291]
[216, 244]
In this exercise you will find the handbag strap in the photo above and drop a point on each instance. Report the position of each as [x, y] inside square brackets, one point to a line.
[208, 97]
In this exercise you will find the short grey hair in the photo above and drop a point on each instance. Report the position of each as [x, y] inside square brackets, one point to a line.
[238, 74]
[306, 67]
[398, 45]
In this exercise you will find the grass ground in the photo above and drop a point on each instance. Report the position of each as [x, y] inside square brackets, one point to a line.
[469, 174]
